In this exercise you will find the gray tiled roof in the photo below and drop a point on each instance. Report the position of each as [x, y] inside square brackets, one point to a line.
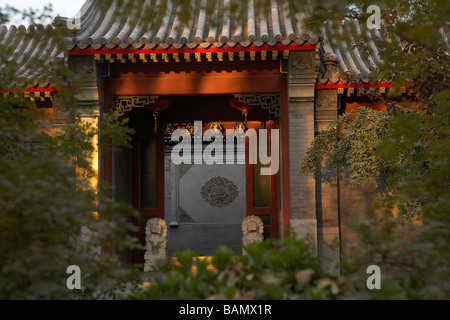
[279, 25]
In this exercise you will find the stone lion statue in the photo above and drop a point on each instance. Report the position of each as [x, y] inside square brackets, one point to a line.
[252, 230]
[155, 242]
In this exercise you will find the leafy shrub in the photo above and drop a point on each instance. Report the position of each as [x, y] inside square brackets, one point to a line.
[270, 270]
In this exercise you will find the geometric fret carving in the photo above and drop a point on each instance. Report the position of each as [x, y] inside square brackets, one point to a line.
[127, 103]
[269, 102]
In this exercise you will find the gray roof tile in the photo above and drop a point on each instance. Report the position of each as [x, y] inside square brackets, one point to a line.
[218, 26]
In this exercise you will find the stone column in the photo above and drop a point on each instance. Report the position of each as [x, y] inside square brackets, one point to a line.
[87, 89]
[328, 237]
[303, 68]
[86, 98]
[83, 98]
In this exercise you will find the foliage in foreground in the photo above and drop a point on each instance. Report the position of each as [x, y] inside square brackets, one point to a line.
[408, 152]
[52, 213]
[269, 270]
[289, 270]
[51, 217]
[410, 253]
[278, 270]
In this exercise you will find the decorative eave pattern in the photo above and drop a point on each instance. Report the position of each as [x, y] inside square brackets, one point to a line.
[33, 93]
[219, 28]
[251, 53]
[362, 89]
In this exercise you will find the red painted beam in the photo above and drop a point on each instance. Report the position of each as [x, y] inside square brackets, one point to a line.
[198, 49]
[31, 89]
[359, 85]
[41, 89]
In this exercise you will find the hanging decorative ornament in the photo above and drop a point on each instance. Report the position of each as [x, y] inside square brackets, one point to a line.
[245, 114]
[241, 106]
[159, 105]
[155, 118]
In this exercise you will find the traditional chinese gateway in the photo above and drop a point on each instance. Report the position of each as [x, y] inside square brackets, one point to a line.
[263, 72]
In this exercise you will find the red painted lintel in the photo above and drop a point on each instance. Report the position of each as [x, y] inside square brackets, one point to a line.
[31, 89]
[382, 84]
[291, 47]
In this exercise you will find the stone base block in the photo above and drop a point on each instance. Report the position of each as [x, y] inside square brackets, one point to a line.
[305, 229]
[329, 249]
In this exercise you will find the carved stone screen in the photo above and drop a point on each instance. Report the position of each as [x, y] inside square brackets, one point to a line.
[205, 206]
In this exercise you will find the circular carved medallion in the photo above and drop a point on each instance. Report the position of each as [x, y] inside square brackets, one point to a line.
[219, 192]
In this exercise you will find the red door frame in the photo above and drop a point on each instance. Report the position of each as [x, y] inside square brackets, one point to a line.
[271, 211]
[284, 155]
